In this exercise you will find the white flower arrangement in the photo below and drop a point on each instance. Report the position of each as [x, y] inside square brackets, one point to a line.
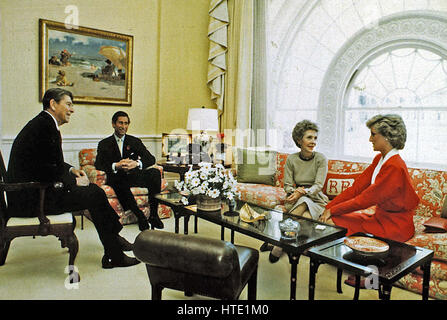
[213, 181]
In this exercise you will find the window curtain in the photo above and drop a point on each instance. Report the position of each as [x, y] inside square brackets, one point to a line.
[217, 66]
[259, 91]
[236, 117]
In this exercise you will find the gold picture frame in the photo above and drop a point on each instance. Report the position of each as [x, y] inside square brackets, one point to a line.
[174, 143]
[95, 65]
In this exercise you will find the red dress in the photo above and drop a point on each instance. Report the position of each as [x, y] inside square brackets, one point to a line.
[392, 194]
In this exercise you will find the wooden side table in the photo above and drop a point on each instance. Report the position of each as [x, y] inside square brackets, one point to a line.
[181, 169]
[401, 260]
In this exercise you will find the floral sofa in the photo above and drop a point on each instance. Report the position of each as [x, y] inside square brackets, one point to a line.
[430, 185]
[87, 159]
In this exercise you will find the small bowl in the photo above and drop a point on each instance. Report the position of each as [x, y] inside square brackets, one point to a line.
[289, 229]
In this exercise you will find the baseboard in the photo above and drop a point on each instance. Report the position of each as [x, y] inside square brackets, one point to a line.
[71, 145]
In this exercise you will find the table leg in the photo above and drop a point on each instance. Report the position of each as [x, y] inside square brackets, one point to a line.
[339, 276]
[232, 236]
[222, 233]
[314, 264]
[357, 287]
[384, 291]
[186, 223]
[426, 280]
[196, 221]
[177, 222]
[293, 259]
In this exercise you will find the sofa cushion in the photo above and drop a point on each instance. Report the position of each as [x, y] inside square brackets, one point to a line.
[346, 166]
[261, 195]
[136, 191]
[431, 187]
[281, 159]
[336, 182]
[87, 157]
[438, 285]
[254, 166]
[433, 241]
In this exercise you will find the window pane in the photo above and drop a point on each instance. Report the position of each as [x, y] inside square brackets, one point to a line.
[411, 82]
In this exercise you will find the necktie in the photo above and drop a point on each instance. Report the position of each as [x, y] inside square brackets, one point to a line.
[120, 146]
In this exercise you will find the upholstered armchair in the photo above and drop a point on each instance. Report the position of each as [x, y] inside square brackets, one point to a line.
[87, 158]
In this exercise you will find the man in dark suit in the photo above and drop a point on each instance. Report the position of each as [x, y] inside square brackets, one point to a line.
[36, 155]
[126, 161]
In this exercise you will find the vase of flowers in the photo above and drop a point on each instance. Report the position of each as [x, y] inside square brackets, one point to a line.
[209, 185]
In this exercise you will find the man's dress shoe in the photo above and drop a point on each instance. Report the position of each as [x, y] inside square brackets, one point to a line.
[266, 247]
[143, 224]
[125, 261]
[273, 258]
[124, 244]
[156, 222]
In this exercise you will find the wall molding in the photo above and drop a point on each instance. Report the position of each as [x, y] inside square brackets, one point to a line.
[72, 144]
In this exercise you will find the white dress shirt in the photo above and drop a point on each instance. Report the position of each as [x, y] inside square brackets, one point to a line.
[120, 147]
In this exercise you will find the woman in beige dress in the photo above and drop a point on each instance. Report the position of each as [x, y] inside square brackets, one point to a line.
[304, 175]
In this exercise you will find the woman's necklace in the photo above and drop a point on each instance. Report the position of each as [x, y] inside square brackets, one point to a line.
[302, 157]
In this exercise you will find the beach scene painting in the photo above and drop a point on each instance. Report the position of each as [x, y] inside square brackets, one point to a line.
[95, 65]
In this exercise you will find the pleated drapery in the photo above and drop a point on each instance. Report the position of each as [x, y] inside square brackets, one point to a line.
[217, 65]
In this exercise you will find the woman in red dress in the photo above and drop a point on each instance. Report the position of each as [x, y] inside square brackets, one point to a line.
[385, 184]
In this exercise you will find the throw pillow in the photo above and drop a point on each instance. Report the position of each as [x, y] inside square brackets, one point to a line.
[337, 182]
[435, 225]
[444, 209]
[254, 166]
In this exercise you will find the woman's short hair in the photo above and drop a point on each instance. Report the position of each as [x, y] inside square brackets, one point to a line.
[54, 93]
[392, 127]
[300, 128]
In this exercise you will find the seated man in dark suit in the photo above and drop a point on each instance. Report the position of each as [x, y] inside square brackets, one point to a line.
[126, 161]
[36, 155]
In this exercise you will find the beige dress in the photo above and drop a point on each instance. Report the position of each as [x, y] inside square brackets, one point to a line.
[311, 174]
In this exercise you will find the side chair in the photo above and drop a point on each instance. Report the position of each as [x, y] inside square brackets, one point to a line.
[61, 226]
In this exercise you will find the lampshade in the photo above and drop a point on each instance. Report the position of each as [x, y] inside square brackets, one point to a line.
[202, 119]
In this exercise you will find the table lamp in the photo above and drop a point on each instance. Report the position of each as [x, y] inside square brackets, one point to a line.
[202, 120]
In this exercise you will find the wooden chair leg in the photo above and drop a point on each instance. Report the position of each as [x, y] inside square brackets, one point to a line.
[73, 248]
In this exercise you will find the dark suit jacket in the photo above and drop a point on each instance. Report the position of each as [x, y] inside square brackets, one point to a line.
[36, 155]
[108, 153]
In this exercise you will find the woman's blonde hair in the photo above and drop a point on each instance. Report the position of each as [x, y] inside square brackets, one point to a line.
[392, 127]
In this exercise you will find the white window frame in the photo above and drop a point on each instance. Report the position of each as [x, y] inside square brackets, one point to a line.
[427, 30]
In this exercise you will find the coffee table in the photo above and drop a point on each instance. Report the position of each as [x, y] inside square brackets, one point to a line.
[400, 260]
[266, 230]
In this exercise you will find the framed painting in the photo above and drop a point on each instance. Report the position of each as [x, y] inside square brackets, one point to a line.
[174, 144]
[95, 65]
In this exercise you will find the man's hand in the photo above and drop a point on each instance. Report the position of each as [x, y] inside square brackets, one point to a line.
[81, 177]
[126, 164]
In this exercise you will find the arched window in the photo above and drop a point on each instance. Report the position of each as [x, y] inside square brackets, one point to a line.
[341, 62]
[410, 81]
